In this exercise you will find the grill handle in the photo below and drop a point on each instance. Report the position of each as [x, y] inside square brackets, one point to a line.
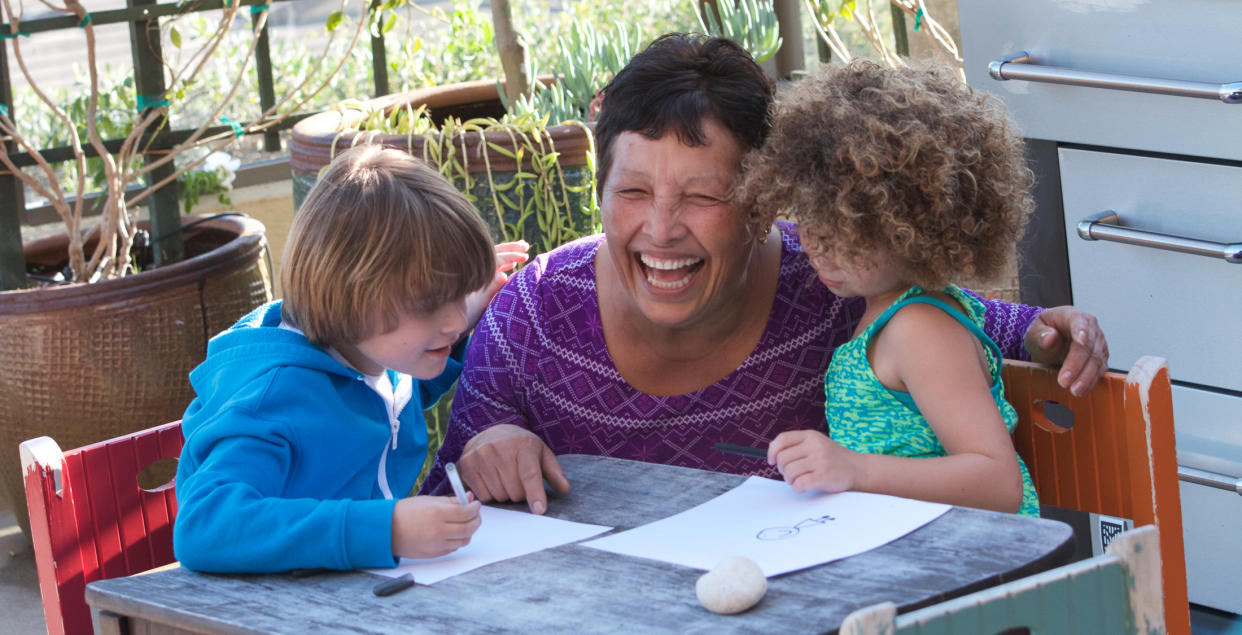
[1210, 479]
[1107, 226]
[1020, 66]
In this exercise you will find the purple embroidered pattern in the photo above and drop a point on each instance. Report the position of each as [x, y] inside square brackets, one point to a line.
[538, 360]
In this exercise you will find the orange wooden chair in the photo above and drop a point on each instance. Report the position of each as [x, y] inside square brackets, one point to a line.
[1117, 457]
[90, 520]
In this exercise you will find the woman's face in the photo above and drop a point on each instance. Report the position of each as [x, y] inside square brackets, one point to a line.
[681, 250]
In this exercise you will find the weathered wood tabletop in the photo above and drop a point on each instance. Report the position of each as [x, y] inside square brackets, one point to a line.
[578, 589]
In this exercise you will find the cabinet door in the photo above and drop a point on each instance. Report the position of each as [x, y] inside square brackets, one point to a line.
[1209, 438]
[1185, 308]
[1148, 42]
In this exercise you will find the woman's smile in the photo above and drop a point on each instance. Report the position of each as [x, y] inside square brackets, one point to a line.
[669, 273]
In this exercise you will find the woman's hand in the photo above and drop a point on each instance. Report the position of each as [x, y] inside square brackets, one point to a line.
[1072, 338]
[810, 460]
[508, 256]
[508, 463]
[431, 526]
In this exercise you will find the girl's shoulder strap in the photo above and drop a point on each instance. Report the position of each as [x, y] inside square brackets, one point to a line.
[916, 295]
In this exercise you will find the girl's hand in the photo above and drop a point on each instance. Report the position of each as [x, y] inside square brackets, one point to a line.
[810, 460]
[431, 526]
[508, 256]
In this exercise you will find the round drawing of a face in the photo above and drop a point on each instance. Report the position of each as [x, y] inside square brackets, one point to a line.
[777, 533]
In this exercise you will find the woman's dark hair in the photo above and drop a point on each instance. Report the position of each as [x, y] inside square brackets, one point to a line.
[678, 81]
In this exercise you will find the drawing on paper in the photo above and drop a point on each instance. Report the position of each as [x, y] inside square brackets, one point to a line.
[781, 533]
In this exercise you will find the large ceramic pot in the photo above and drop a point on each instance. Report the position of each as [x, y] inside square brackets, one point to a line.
[316, 139]
[83, 363]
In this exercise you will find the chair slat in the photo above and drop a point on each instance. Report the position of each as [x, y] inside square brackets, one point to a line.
[100, 490]
[124, 465]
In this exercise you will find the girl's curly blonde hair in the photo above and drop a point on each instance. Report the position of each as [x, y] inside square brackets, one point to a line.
[911, 162]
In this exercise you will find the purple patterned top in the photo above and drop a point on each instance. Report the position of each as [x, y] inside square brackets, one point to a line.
[538, 360]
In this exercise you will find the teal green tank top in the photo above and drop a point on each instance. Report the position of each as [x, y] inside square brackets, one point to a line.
[864, 415]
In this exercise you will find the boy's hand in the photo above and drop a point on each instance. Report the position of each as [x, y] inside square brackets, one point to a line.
[431, 526]
[810, 460]
[508, 256]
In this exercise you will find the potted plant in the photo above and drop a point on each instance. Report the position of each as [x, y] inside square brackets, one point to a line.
[99, 336]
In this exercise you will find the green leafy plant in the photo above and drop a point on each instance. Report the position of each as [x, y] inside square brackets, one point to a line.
[856, 28]
[129, 175]
[751, 23]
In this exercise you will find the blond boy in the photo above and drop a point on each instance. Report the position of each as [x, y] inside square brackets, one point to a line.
[307, 431]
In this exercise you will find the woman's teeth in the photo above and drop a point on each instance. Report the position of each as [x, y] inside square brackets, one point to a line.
[667, 264]
[662, 274]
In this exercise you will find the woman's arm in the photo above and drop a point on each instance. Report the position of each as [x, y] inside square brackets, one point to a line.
[1064, 336]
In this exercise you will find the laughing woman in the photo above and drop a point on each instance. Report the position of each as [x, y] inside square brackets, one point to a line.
[688, 321]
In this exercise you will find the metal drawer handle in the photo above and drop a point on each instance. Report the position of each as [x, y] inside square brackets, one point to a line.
[1106, 225]
[1211, 479]
[1020, 66]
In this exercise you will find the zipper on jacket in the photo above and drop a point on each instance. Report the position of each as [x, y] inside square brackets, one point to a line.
[394, 423]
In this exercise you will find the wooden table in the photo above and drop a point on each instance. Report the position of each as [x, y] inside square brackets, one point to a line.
[579, 589]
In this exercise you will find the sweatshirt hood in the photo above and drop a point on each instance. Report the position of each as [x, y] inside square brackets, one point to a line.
[254, 346]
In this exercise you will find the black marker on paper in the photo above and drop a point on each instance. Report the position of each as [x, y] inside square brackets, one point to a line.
[305, 573]
[388, 587]
[744, 450]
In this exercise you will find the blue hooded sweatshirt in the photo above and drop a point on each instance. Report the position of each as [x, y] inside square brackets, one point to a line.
[291, 460]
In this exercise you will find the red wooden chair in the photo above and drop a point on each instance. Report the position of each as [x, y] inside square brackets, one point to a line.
[90, 520]
[1117, 458]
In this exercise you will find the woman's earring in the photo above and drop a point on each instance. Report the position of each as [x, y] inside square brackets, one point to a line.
[761, 236]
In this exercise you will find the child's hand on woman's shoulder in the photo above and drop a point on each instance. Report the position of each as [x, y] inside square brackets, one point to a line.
[810, 460]
[432, 526]
[508, 256]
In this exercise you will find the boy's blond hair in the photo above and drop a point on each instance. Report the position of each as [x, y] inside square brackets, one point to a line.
[379, 233]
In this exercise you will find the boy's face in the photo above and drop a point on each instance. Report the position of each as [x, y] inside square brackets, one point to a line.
[418, 346]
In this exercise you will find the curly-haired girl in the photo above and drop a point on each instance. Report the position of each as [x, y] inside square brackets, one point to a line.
[901, 181]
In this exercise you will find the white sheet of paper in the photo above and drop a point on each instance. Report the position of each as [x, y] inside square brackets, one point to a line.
[503, 534]
[781, 531]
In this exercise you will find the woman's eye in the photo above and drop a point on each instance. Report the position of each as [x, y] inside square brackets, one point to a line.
[704, 199]
[631, 193]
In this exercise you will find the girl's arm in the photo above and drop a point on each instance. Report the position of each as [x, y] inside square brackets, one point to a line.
[925, 352]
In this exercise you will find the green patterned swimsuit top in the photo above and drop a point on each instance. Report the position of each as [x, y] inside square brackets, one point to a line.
[864, 415]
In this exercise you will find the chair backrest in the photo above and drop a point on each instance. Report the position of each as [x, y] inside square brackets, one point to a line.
[1115, 593]
[1119, 458]
[90, 520]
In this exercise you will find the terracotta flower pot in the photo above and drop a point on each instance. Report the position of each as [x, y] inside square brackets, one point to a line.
[315, 141]
[87, 362]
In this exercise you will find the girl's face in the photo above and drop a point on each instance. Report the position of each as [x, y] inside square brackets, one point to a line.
[681, 250]
[419, 345]
[873, 275]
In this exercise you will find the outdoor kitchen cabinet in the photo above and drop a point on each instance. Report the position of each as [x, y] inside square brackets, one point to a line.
[1133, 112]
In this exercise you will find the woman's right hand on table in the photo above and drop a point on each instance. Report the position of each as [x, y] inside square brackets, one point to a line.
[509, 463]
